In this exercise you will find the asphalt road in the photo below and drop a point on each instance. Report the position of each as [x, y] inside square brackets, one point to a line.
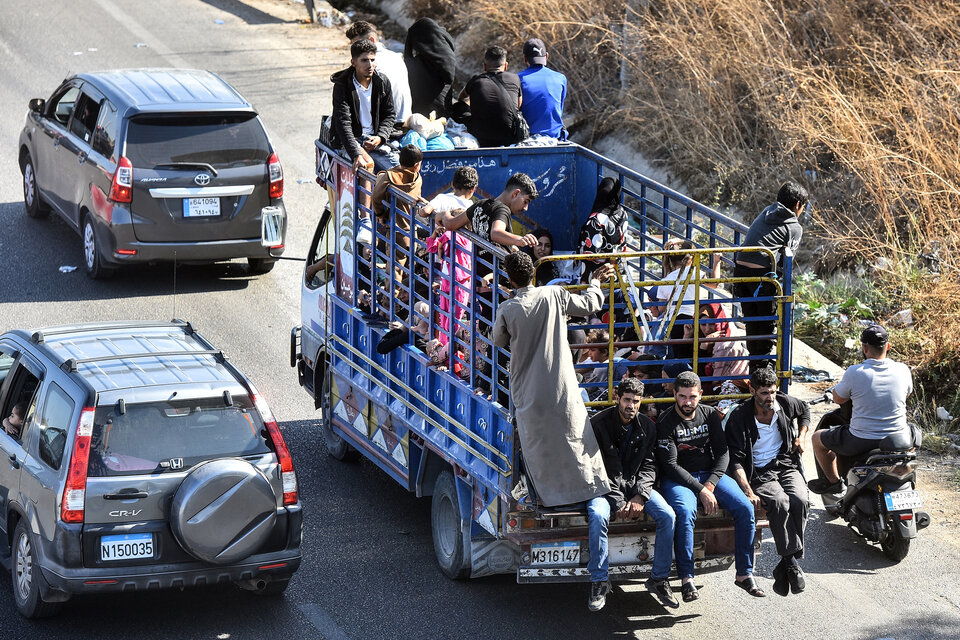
[368, 569]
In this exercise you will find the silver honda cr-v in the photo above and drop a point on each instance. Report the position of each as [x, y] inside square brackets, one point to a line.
[138, 457]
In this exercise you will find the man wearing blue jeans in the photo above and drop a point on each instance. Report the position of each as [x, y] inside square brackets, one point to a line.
[627, 441]
[693, 457]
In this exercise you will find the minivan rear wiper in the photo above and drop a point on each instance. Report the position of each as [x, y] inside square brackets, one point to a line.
[207, 166]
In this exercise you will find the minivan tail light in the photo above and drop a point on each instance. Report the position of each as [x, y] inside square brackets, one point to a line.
[121, 190]
[287, 475]
[74, 493]
[275, 171]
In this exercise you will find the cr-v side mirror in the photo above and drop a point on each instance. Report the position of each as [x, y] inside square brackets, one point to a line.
[37, 105]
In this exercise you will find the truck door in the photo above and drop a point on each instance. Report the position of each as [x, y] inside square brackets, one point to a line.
[316, 291]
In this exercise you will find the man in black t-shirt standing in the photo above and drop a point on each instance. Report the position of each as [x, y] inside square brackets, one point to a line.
[495, 97]
[491, 218]
[693, 457]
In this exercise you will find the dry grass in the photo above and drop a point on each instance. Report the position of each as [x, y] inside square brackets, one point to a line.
[858, 99]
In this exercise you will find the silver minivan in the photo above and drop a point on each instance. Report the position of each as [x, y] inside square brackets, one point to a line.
[155, 165]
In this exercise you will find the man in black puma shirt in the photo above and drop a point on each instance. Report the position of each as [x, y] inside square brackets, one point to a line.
[693, 457]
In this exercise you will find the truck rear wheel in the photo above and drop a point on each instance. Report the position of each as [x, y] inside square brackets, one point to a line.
[337, 447]
[453, 554]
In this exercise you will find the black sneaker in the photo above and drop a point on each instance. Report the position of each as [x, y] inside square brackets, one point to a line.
[598, 595]
[661, 589]
[821, 486]
[781, 582]
[795, 576]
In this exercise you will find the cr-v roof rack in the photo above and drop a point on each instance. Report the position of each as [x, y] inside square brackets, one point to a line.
[70, 365]
[38, 337]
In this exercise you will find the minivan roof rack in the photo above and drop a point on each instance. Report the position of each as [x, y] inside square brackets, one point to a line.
[39, 337]
[70, 365]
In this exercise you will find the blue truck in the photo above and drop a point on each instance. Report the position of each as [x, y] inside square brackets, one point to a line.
[444, 429]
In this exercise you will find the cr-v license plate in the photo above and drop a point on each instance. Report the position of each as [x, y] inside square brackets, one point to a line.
[201, 207]
[126, 547]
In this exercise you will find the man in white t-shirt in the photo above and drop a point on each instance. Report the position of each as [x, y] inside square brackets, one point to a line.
[390, 64]
[878, 388]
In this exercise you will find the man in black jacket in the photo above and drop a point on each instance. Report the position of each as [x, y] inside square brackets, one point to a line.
[363, 111]
[693, 457]
[765, 437]
[627, 442]
[776, 228]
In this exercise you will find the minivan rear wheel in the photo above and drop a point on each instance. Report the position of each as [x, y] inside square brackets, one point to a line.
[92, 254]
[35, 207]
[260, 265]
[24, 571]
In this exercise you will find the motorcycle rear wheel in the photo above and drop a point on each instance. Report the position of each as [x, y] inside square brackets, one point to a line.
[895, 547]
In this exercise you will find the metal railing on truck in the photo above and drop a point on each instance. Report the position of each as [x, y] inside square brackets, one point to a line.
[386, 277]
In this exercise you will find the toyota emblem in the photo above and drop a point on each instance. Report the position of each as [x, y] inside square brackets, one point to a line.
[202, 179]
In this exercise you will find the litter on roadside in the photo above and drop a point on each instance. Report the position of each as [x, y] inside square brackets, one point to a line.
[804, 374]
[67, 268]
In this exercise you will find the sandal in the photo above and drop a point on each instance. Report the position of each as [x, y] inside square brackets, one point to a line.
[750, 586]
[689, 592]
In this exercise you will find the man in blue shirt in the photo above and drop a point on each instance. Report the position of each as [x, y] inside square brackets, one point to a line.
[544, 91]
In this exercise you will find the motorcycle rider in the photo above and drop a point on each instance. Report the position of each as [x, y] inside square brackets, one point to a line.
[878, 387]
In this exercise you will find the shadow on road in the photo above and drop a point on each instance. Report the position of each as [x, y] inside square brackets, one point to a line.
[245, 12]
[32, 252]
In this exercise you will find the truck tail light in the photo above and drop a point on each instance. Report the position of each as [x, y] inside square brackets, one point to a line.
[275, 171]
[74, 493]
[121, 189]
[287, 475]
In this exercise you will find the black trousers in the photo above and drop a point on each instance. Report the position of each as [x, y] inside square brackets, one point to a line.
[754, 309]
[783, 493]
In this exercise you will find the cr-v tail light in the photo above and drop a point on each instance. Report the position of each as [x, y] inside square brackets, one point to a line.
[74, 493]
[287, 475]
[275, 171]
[121, 190]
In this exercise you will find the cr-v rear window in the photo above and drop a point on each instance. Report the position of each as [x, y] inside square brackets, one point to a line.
[167, 436]
[221, 140]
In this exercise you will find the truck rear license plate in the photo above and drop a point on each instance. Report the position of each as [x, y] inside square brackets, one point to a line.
[201, 207]
[901, 500]
[555, 553]
[126, 547]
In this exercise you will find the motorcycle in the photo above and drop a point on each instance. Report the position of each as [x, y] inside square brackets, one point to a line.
[881, 503]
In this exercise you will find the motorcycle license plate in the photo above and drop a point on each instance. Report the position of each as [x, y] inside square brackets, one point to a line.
[555, 553]
[902, 500]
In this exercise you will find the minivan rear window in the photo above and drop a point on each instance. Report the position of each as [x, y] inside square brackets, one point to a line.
[169, 436]
[222, 140]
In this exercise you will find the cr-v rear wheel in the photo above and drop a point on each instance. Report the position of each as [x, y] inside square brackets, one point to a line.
[36, 208]
[24, 570]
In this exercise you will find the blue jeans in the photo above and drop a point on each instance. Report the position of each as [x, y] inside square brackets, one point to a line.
[598, 514]
[730, 497]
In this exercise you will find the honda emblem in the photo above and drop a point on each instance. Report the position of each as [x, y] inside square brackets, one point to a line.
[176, 463]
[202, 179]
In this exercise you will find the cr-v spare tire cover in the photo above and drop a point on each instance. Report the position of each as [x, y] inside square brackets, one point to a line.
[223, 511]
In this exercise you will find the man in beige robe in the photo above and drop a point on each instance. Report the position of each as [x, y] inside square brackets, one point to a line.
[559, 447]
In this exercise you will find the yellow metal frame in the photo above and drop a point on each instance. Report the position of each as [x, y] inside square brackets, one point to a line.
[693, 278]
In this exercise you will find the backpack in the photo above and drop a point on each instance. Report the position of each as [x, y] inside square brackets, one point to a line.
[519, 129]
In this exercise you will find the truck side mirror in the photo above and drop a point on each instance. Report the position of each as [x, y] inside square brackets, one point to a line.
[37, 105]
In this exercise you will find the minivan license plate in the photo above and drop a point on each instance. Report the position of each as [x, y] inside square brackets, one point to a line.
[555, 553]
[126, 547]
[201, 207]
